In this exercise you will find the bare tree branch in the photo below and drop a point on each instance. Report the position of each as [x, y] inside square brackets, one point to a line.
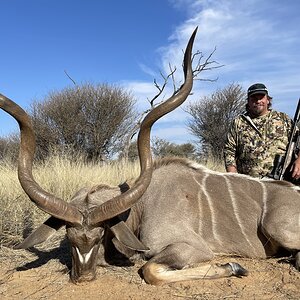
[161, 88]
[70, 77]
[207, 65]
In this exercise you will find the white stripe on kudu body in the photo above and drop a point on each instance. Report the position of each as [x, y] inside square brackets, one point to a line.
[237, 211]
[207, 194]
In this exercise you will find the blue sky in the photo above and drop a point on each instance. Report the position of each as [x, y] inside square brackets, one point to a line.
[130, 42]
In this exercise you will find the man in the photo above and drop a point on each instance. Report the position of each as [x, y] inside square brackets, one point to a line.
[257, 136]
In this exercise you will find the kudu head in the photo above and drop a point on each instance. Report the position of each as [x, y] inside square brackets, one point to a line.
[84, 218]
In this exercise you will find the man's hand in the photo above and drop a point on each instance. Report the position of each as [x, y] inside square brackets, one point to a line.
[232, 168]
[296, 168]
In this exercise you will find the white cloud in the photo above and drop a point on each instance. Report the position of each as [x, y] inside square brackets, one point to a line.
[255, 41]
[147, 70]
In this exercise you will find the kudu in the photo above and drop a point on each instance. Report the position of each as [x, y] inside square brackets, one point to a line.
[178, 213]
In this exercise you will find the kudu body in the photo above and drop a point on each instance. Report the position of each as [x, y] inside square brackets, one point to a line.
[177, 213]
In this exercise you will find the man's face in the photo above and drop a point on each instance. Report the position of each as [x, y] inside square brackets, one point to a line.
[258, 104]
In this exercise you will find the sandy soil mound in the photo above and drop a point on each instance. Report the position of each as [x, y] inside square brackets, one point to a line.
[43, 274]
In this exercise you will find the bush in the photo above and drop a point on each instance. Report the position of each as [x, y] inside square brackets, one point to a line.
[91, 120]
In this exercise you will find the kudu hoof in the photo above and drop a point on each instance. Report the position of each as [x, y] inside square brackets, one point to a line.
[237, 269]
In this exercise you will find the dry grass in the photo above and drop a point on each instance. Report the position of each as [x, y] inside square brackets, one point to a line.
[59, 175]
[214, 164]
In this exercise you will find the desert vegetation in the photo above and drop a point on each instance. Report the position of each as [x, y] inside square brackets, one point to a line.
[61, 175]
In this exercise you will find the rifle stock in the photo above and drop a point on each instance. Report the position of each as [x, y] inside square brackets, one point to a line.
[282, 163]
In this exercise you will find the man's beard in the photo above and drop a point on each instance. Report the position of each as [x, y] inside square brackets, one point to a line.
[258, 110]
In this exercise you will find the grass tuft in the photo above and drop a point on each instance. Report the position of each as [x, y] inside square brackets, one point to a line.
[60, 176]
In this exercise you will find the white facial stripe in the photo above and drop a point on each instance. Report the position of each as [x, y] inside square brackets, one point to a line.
[88, 255]
[84, 258]
[81, 258]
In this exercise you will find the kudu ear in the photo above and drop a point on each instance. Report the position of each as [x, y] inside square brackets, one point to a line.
[42, 233]
[126, 237]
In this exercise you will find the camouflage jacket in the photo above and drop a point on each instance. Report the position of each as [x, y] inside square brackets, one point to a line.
[253, 143]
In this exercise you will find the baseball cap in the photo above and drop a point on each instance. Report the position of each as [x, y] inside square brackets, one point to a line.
[257, 88]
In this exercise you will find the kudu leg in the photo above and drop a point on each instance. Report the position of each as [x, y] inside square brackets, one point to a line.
[282, 227]
[167, 266]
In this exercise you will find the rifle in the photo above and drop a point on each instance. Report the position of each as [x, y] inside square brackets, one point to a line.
[282, 164]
